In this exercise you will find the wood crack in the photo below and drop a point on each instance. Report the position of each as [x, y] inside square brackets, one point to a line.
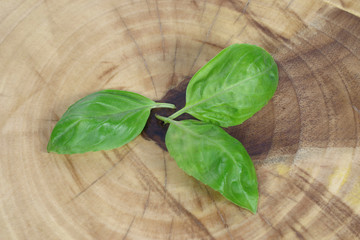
[148, 177]
[206, 38]
[128, 229]
[140, 53]
[102, 176]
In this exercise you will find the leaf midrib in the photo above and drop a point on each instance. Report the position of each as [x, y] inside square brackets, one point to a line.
[80, 118]
[186, 108]
[113, 114]
[221, 147]
[210, 140]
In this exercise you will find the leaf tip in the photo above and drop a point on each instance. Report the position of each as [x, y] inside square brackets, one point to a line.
[252, 206]
[48, 147]
[51, 148]
[253, 209]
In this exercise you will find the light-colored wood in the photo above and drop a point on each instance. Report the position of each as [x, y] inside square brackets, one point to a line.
[305, 143]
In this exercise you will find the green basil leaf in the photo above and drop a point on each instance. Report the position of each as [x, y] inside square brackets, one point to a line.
[232, 87]
[212, 156]
[100, 121]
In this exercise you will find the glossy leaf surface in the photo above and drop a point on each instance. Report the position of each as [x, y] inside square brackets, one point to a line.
[100, 121]
[211, 155]
[233, 86]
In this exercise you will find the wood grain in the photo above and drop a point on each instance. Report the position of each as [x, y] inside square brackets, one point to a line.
[305, 143]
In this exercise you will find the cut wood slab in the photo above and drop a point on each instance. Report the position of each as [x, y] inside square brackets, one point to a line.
[305, 143]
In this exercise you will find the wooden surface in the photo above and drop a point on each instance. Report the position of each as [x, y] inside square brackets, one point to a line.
[305, 143]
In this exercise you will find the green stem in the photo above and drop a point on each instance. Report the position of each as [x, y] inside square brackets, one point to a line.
[164, 119]
[178, 113]
[165, 105]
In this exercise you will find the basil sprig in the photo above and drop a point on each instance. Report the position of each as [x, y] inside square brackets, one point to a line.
[103, 120]
[215, 158]
[229, 89]
[232, 86]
